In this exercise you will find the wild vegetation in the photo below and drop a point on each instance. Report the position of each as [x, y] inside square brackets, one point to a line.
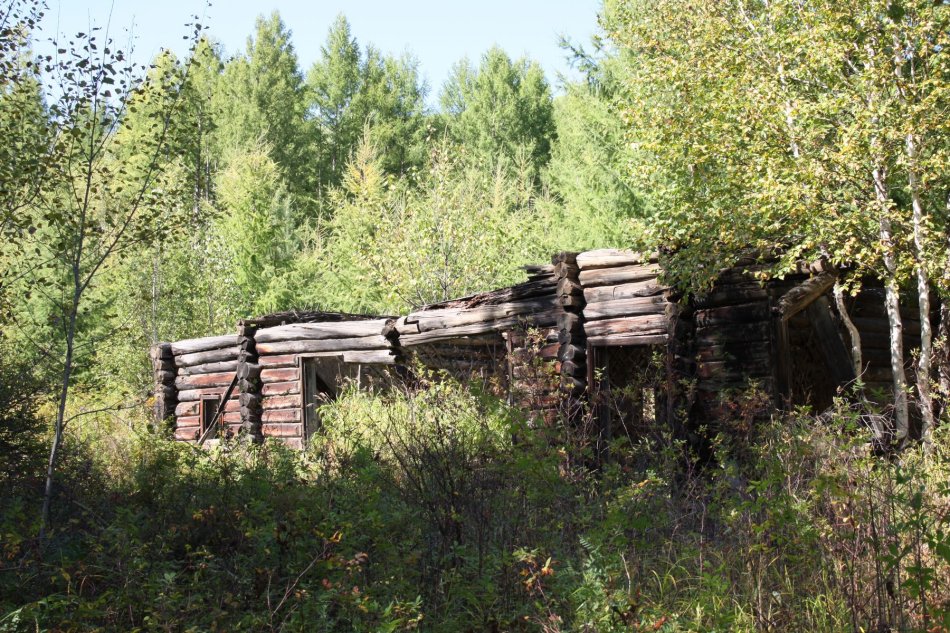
[152, 204]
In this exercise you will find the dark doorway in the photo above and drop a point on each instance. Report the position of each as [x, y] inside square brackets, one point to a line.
[320, 378]
[627, 392]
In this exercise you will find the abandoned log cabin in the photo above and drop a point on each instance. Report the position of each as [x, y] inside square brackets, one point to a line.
[586, 324]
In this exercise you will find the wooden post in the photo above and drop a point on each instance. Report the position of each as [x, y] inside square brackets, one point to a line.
[249, 381]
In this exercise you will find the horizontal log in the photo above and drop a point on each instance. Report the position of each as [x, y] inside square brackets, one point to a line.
[249, 371]
[280, 402]
[741, 333]
[295, 443]
[880, 325]
[623, 307]
[571, 368]
[190, 408]
[619, 275]
[447, 334]
[187, 422]
[564, 270]
[616, 340]
[280, 375]
[320, 331]
[208, 368]
[561, 257]
[610, 257]
[213, 356]
[282, 430]
[572, 302]
[731, 295]
[186, 434]
[282, 415]
[569, 322]
[251, 400]
[279, 360]
[377, 341]
[207, 343]
[201, 381]
[647, 324]
[544, 285]
[648, 288]
[196, 394]
[427, 320]
[281, 388]
[370, 357]
[724, 315]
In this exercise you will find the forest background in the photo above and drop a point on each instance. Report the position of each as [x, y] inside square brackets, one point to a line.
[146, 205]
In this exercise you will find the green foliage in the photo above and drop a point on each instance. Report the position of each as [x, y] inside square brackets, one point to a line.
[501, 111]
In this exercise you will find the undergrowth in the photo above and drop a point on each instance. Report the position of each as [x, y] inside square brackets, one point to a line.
[439, 508]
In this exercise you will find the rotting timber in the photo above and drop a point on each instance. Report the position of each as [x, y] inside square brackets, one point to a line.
[583, 323]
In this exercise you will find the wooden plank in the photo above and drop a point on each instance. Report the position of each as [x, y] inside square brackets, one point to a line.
[208, 368]
[213, 356]
[281, 388]
[427, 320]
[611, 257]
[200, 381]
[280, 402]
[195, 394]
[187, 422]
[433, 336]
[647, 324]
[320, 331]
[279, 375]
[325, 345]
[624, 307]
[619, 275]
[282, 430]
[646, 288]
[204, 344]
[279, 360]
[282, 415]
[615, 340]
[187, 434]
[370, 357]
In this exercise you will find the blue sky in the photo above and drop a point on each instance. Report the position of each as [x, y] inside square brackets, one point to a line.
[437, 33]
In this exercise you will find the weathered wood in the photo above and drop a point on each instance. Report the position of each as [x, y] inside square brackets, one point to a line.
[571, 352]
[213, 356]
[282, 415]
[568, 287]
[833, 349]
[280, 402]
[272, 361]
[321, 331]
[186, 434]
[575, 302]
[377, 341]
[561, 257]
[802, 295]
[195, 394]
[281, 388]
[742, 333]
[201, 381]
[208, 368]
[279, 375]
[565, 269]
[647, 324]
[282, 430]
[251, 400]
[870, 326]
[619, 275]
[731, 370]
[726, 315]
[205, 344]
[648, 288]
[612, 257]
[187, 422]
[425, 321]
[569, 322]
[616, 340]
[160, 352]
[249, 371]
[432, 336]
[191, 408]
[370, 357]
[624, 307]
[164, 377]
[731, 295]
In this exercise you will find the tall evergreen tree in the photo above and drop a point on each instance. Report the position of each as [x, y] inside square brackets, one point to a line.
[503, 108]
